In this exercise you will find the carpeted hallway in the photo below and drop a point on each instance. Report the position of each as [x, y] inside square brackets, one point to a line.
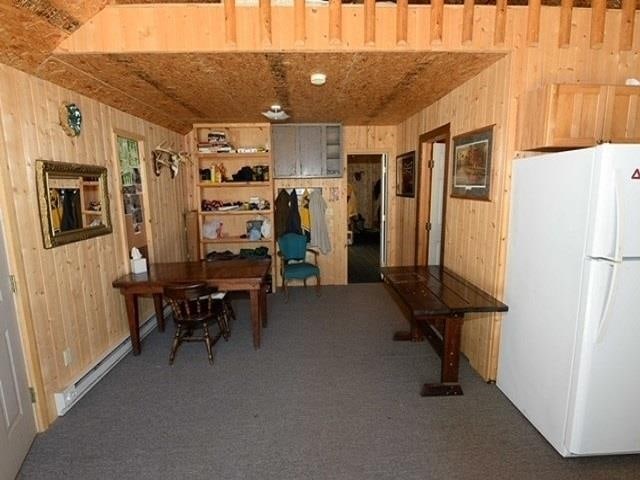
[328, 396]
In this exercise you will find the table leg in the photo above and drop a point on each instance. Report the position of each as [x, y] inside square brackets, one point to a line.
[157, 304]
[256, 321]
[450, 361]
[263, 305]
[131, 301]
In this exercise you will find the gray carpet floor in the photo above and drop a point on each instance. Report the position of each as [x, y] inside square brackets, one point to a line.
[328, 396]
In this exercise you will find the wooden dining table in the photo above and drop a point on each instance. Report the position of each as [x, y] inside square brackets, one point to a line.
[435, 301]
[238, 274]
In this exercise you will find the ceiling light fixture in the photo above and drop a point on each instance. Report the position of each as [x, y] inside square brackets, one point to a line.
[318, 78]
[275, 112]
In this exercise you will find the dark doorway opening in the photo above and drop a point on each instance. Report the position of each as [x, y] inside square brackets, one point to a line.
[365, 211]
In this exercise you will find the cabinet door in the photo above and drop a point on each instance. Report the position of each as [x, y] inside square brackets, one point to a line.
[622, 124]
[285, 150]
[310, 150]
[578, 115]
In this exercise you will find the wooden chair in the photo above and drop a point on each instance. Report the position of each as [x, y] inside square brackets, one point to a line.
[194, 308]
[293, 262]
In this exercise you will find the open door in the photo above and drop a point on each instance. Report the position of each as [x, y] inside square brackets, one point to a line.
[17, 423]
[431, 207]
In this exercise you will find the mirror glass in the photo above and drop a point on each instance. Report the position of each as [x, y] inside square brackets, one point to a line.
[73, 200]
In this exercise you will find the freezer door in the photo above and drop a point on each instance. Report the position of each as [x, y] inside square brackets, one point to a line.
[604, 416]
[615, 232]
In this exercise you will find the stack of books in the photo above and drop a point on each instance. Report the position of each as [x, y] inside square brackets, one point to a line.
[216, 143]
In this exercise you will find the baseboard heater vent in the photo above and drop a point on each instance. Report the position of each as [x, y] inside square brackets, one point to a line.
[70, 395]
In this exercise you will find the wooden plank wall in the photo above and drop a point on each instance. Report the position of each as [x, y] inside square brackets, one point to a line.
[357, 139]
[476, 232]
[65, 296]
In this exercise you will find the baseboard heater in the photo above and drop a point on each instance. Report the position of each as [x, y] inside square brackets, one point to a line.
[70, 395]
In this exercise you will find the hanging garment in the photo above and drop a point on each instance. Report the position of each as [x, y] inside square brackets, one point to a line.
[319, 230]
[305, 215]
[282, 213]
[352, 202]
[56, 209]
[71, 210]
[293, 220]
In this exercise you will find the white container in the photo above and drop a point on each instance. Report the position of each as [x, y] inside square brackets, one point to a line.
[138, 265]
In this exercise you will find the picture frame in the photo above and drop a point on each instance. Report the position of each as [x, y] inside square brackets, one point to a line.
[406, 174]
[471, 164]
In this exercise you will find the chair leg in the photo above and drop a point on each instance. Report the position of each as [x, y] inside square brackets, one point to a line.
[207, 341]
[229, 308]
[304, 282]
[223, 323]
[318, 285]
[285, 290]
[175, 345]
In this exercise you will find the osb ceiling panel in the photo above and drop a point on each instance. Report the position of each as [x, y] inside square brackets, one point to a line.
[377, 88]
[31, 29]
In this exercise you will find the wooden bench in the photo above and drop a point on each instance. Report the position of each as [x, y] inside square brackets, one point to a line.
[435, 301]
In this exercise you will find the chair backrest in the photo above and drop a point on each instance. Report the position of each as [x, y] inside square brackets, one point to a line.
[293, 246]
[185, 299]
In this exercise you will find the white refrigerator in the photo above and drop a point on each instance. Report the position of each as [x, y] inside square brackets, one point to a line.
[570, 343]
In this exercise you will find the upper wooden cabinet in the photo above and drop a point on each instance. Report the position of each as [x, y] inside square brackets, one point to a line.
[307, 150]
[562, 116]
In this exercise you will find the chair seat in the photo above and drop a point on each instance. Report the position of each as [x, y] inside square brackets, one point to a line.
[301, 270]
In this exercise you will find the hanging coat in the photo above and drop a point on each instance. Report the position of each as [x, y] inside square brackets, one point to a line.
[281, 213]
[293, 220]
[319, 230]
[305, 215]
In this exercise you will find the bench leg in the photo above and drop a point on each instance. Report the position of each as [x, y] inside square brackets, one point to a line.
[450, 361]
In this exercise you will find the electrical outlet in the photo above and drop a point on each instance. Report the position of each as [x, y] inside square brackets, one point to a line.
[66, 356]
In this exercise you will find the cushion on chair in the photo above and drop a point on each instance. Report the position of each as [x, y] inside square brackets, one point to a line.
[301, 270]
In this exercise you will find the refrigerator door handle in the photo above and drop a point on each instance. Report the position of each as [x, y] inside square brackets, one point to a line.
[604, 317]
[618, 217]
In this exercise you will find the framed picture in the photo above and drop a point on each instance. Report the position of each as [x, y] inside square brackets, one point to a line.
[406, 174]
[471, 176]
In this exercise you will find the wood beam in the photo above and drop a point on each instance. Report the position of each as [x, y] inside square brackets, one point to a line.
[564, 35]
[402, 21]
[299, 19]
[437, 14]
[335, 22]
[230, 22]
[627, 21]
[369, 22]
[265, 21]
[598, 13]
[533, 22]
[467, 21]
[500, 23]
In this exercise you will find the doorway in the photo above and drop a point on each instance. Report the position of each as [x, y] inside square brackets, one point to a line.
[432, 198]
[17, 427]
[366, 207]
[129, 148]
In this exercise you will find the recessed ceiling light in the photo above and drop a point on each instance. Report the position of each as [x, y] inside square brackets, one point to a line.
[318, 78]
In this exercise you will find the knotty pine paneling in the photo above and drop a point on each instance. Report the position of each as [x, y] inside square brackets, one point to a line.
[356, 139]
[363, 176]
[65, 294]
[332, 265]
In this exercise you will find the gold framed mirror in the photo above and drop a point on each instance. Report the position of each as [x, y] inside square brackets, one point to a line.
[73, 200]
